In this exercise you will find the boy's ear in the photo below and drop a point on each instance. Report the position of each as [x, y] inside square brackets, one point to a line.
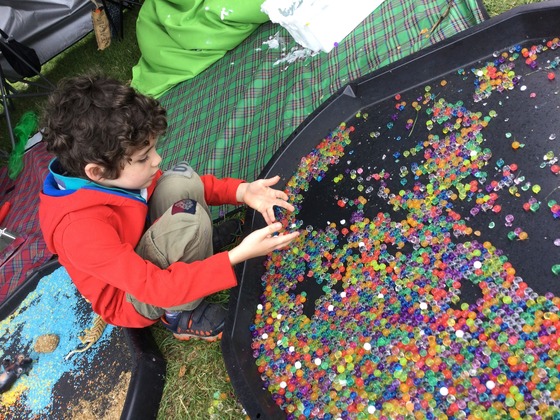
[94, 171]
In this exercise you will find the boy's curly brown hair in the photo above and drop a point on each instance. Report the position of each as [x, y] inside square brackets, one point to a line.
[96, 119]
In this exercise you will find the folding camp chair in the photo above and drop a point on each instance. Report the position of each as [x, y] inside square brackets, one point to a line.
[25, 63]
[115, 10]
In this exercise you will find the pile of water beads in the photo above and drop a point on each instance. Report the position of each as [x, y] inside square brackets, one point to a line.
[389, 336]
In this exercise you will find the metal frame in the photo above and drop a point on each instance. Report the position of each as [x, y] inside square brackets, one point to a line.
[8, 92]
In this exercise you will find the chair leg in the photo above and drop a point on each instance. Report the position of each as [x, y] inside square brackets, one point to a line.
[8, 93]
[7, 103]
[112, 24]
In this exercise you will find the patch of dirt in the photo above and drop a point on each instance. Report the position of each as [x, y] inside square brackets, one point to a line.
[108, 406]
[46, 343]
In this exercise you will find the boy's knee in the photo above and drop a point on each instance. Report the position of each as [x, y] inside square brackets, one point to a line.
[176, 184]
[182, 168]
[189, 214]
[182, 179]
[184, 206]
[183, 233]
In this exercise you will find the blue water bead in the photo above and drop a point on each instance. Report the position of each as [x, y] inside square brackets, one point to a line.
[519, 375]
[544, 356]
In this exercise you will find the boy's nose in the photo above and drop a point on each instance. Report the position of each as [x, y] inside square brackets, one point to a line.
[157, 160]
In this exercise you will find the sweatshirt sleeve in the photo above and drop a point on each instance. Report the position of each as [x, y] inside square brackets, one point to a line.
[220, 191]
[105, 258]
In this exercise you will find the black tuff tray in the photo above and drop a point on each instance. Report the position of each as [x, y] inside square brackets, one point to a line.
[533, 120]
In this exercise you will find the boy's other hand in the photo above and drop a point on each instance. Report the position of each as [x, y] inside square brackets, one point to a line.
[261, 242]
[259, 196]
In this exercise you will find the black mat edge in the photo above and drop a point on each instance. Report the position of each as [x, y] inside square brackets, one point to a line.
[340, 107]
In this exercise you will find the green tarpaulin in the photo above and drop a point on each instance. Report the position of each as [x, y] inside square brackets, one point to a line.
[179, 39]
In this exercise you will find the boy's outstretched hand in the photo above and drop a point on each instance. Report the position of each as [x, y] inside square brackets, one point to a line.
[259, 196]
[261, 242]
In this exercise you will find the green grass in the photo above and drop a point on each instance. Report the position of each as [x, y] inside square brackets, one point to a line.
[497, 7]
[197, 385]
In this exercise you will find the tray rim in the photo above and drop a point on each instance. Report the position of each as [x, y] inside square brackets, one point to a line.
[352, 95]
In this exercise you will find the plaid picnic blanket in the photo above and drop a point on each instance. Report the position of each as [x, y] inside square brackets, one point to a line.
[231, 118]
[29, 251]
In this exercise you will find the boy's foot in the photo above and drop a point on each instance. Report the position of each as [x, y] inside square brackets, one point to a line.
[226, 233]
[206, 322]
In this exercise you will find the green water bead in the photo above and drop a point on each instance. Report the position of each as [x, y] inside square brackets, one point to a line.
[549, 155]
[556, 269]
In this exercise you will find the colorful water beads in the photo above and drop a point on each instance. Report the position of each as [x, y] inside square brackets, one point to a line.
[390, 336]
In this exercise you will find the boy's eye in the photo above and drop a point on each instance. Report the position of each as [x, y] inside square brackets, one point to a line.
[144, 159]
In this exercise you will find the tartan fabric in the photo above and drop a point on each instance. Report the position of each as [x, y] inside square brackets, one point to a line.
[230, 119]
[22, 219]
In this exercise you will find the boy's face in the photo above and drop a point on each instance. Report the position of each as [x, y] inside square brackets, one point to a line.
[139, 171]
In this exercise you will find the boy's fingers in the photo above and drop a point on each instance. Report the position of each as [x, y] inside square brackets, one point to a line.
[269, 216]
[271, 181]
[281, 195]
[287, 238]
[284, 204]
[274, 227]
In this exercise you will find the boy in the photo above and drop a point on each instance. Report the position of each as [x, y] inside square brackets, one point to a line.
[105, 187]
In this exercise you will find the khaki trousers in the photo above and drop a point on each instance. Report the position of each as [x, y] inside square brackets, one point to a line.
[181, 231]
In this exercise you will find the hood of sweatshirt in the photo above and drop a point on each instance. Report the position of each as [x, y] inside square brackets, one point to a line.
[63, 196]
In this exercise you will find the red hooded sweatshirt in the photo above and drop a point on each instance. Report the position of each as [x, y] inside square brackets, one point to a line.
[94, 231]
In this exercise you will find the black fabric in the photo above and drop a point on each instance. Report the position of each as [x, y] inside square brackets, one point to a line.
[23, 59]
[226, 233]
